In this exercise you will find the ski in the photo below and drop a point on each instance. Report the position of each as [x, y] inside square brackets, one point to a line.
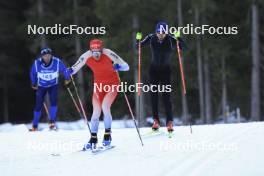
[66, 153]
[153, 133]
[99, 149]
[44, 130]
[102, 149]
[169, 134]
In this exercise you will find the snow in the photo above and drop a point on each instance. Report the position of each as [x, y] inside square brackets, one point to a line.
[211, 150]
[75, 125]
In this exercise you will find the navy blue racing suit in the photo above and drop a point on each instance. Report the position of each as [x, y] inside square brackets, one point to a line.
[160, 69]
[46, 78]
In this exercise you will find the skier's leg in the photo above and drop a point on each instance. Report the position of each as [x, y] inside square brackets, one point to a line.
[154, 104]
[94, 121]
[106, 106]
[53, 94]
[40, 93]
[166, 80]
[154, 80]
[167, 104]
[96, 112]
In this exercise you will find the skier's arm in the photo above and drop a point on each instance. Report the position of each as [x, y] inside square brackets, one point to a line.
[182, 43]
[63, 70]
[145, 41]
[33, 74]
[118, 62]
[81, 62]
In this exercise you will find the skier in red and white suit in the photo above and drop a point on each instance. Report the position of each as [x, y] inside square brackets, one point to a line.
[104, 64]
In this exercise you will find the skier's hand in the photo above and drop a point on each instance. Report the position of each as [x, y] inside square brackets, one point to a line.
[67, 83]
[177, 34]
[139, 36]
[70, 71]
[138, 39]
[116, 67]
[34, 87]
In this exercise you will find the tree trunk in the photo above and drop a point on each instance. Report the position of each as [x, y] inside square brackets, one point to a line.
[80, 79]
[255, 75]
[224, 91]
[207, 83]
[43, 43]
[184, 99]
[199, 67]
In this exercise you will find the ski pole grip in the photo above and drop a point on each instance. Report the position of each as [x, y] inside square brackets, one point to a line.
[139, 36]
[177, 34]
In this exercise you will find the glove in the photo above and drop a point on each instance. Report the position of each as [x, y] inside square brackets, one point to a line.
[70, 71]
[177, 34]
[34, 87]
[139, 36]
[67, 82]
[116, 67]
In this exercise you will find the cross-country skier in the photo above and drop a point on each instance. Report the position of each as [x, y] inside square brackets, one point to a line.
[44, 78]
[104, 63]
[161, 45]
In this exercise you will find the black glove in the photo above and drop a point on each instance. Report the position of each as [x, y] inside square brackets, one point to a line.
[182, 44]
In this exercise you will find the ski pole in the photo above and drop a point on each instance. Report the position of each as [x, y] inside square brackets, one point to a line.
[46, 109]
[177, 35]
[74, 102]
[131, 112]
[81, 105]
[139, 37]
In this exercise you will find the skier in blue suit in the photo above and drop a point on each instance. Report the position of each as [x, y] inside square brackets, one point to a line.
[44, 78]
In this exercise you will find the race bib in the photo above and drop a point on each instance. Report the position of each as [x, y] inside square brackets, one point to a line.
[48, 76]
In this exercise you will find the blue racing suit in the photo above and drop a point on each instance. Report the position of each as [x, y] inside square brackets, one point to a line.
[46, 78]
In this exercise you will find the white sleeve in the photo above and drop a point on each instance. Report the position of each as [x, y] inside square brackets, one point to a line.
[81, 61]
[116, 59]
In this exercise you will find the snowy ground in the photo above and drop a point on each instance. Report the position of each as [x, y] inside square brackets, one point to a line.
[212, 150]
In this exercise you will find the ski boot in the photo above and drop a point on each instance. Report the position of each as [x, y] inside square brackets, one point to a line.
[52, 126]
[170, 126]
[91, 145]
[33, 129]
[107, 137]
[155, 126]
